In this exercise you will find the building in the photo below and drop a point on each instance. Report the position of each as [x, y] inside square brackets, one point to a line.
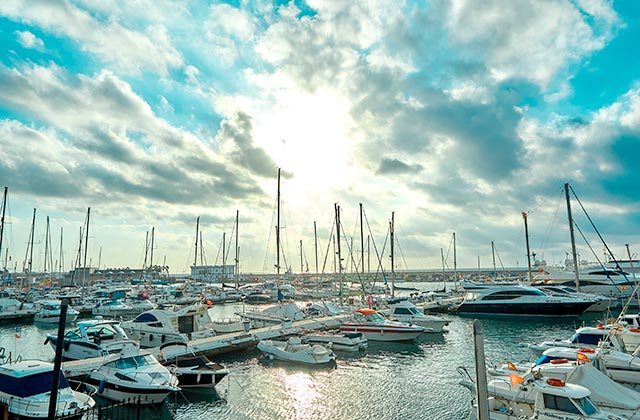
[212, 273]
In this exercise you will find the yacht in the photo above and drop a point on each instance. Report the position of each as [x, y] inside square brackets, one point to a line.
[49, 312]
[585, 337]
[134, 379]
[160, 326]
[25, 388]
[274, 315]
[405, 311]
[613, 283]
[192, 371]
[94, 338]
[294, 351]
[510, 299]
[12, 309]
[602, 303]
[375, 327]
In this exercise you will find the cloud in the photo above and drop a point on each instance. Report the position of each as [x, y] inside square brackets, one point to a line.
[394, 166]
[127, 50]
[29, 40]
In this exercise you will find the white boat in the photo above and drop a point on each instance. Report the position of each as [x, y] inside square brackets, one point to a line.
[543, 399]
[49, 312]
[160, 326]
[376, 328]
[339, 341]
[111, 308]
[584, 337]
[616, 284]
[293, 350]
[510, 299]
[192, 371]
[94, 338]
[605, 392]
[405, 311]
[134, 379]
[13, 309]
[628, 327]
[228, 326]
[601, 303]
[25, 388]
[274, 315]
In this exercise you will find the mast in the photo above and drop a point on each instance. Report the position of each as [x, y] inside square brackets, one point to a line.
[99, 258]
[368, 253]
[633, 271]
[46, 246]
[455, 263]
[278, 227]
[33, 228]
[4, 208]
[573, 239]
[195, 255]
[237, 260]
[61, 266]
[224, 255]
[361, 241]
[315, 241]
[202, 249]
[444, 276]
[333, 240]
[301, 263]
[146, 249]
[493, 253]
[86, 248]
[526, 237]
[153, 231]
[393, 269]
[337, 210]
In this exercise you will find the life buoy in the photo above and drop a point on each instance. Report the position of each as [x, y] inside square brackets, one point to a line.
[586, 351]
[559, 361]
[555, 382]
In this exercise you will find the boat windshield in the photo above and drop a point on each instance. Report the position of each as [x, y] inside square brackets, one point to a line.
[133, 362]
[30, 385]
[592, 339]
[586, 405]
[375, 318]
[415, 311]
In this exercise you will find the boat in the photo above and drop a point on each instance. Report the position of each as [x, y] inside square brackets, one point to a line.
[628, 329]
[12, 309]
[294, 351]
[49, 312]
[542, 399]
[375, 327]
[274, 315]
[228, 326]
[111, 308]
[159, 326]
[584, 337]
[601, 303]
[192, 371]
[405, 311]
[25, 389]
[616, 284]
[136, 379]
[94, 338]
[511, 299]
[338, 341]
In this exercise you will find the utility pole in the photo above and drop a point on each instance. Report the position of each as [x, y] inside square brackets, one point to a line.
[526, 237]
[573, 239]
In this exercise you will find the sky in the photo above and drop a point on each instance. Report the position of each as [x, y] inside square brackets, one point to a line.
[456, 115]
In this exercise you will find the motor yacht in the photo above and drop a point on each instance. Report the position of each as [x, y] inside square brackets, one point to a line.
[49, 312]
[612, 283]
[94, 338]
[375, 327]
[601, 303]
[405, 311]
[192, 371]
[338, 341]
[12, 309]
[584, 337]
[134, 379]
[25, 388]
[294, 351]
[159, 326]
[510, 299]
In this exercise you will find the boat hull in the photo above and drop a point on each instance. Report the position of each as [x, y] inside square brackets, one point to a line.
[382, 333]
[540, 309]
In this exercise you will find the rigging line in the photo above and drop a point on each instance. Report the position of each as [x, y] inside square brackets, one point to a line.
[355, 235]
[364, 292]
[595, 255]
[326, 255]
[231, 239]
[559, 202]
[545, 200]
[270, 232]
[406, 266]
[375, 247]
[500, 259]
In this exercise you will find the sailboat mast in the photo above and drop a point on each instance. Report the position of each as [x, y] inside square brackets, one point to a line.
[493, 254]
[224, 255]
[526, 237]
[337, 210]
[393, 269]
[33, 228]
[361, 241]
[301, 263]
[315, 241]
[278, 227]
[195, 255]
[146, 249]
[573, 239]
[86, 248]
[4, 208]
[61, 266]
[153, 232]
[237, 260]
[455, 263]
[368, 253]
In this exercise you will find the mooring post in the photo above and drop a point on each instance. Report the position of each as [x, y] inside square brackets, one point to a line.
[482, 395]
[57, 363]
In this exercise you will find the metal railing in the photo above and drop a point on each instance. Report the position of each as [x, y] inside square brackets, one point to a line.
[130, 409]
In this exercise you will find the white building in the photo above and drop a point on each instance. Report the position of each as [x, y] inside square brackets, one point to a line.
[212, 273]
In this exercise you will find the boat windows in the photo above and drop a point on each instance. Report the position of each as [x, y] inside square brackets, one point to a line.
[592, 339]
[402, 311]
[145, 317]
[559, 403]
[123, 377]
[586, 405]
[73, 335]
[31, 385]
[512, 294]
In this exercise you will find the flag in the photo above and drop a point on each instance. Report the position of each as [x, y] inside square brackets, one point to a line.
[18, 332]
[583, 358]
[515, 379]
[511, 366]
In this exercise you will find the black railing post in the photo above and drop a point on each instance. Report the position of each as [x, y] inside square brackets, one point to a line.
[57, 363]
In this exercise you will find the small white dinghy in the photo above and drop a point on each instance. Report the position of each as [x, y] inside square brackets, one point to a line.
[338, 341]
[293, 350]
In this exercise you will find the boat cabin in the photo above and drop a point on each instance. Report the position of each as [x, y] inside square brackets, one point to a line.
[28, 378]
[556, 398]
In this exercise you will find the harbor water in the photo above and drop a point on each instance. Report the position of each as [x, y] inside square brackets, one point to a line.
[408, 380]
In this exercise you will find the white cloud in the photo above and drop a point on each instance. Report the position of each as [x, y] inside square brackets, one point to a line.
[29, 40]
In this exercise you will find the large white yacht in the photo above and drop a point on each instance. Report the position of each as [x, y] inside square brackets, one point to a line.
[25, 388]
[612, 283]
[135, 378]
[160, 326]
[511, 299]
[94, 338]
